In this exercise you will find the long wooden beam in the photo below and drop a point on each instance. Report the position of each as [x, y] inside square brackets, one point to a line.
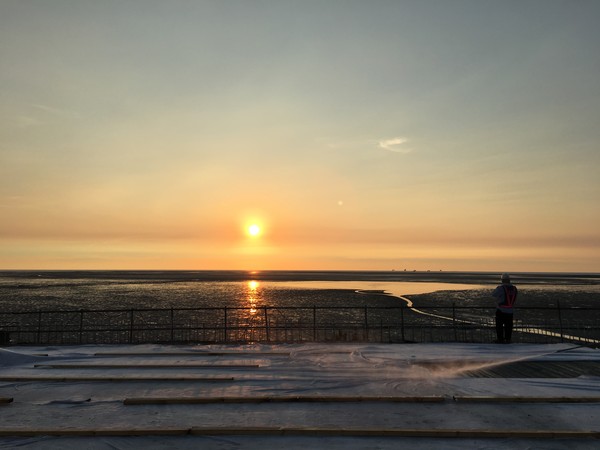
[397, 432]
[306, 431]
[349, 399]
[279, 399]
[116, 379]
[147, 366]
[518, 399]
[211, 353]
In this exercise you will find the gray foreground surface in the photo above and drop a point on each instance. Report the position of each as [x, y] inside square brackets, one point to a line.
[327, 388]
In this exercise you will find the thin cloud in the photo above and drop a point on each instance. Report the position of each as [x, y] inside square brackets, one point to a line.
[26, 122]
[396, 145]
[56, 111]
[39, 114]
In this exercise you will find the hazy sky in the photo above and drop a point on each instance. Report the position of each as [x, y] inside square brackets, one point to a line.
[449, 134]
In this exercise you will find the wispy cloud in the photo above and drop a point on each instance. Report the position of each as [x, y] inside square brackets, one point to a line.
[56, 111]
[27, 121]
[396, 144]
[38, 114]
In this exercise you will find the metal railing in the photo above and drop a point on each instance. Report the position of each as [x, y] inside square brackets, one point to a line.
[294, 324]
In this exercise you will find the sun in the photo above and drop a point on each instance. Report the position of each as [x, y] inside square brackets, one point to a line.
[254, 230]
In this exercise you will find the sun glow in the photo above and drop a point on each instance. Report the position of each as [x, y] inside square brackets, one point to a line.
[254, 230]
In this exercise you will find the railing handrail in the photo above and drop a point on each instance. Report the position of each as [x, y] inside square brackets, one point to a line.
[291, 308]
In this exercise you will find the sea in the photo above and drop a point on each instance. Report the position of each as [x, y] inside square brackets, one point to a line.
[93, 290]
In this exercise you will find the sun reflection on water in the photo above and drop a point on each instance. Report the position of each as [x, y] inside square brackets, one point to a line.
[253, 295]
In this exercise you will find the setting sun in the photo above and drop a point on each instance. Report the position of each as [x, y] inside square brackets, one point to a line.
[253, 230]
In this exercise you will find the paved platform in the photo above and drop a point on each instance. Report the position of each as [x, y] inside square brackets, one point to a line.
[334, 395]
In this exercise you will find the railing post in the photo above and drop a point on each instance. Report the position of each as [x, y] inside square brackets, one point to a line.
[172, 326]
[80, 326]
[131, 326]
[314, 324]
[225, 323]
[560, 321]
[454, 321]
[39, 328]
[402, 322]
[267, 325]
[366, 323]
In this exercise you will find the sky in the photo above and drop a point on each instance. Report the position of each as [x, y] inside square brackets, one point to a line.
[379, 135]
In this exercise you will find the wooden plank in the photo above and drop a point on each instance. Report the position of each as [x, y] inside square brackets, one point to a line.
[493, 399]
[348, 399]
[118, 379]
[91, 432]
[193, 354]
[397, 432]
[279, 399]
[146, 366]
[305, 431]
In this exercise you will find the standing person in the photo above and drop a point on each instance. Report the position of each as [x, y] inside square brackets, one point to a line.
[505, 295]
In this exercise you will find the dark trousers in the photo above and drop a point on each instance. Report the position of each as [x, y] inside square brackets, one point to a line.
[504, 326]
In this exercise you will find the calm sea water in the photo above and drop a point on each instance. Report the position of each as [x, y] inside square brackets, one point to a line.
[48, 290]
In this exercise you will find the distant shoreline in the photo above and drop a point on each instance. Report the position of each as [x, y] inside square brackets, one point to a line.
[310, 275]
